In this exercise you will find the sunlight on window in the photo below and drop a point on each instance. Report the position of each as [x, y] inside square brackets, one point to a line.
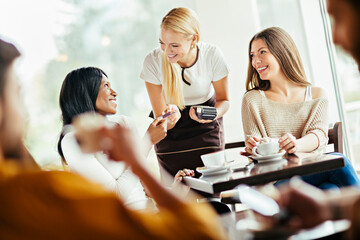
[57, 36]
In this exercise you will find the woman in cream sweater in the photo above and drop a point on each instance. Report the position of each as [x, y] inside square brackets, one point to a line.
[281, 103]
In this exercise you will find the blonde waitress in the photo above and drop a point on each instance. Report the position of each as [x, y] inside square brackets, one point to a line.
[181, 73]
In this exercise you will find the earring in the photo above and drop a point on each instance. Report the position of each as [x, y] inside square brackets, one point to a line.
[193, 46]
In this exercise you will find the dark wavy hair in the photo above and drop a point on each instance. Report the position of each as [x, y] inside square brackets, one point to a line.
[78, 95]
[355, 3]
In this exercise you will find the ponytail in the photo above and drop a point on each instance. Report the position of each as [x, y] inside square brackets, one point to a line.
[172, 82]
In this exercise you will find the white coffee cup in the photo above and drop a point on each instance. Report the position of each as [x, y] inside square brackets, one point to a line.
[266, 148]
[87, 131]
[214, 159]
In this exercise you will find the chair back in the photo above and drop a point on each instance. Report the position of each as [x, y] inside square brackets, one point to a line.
[335, 135]
[234, 144]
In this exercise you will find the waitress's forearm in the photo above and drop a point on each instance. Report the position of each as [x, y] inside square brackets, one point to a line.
[222, 106]
[308, 143]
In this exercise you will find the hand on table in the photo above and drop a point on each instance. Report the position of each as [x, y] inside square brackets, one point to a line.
[288, 143]
[183, 173]
[181, 188]
[251, 143]
[194, 117]
[307, 204]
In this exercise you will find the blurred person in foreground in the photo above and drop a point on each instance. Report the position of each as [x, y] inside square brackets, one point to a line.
[311, 206]
[38, 204]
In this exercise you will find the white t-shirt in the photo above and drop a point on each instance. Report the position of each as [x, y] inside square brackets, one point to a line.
[115, 176]
[209, 67]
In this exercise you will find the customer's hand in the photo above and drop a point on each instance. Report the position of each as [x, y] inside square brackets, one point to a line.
[183, 173]
[121, 144]
[157, 130]
[288, 143]
[177, 186]
[251, 143]
[308, 205]
[174, 118]
[194, 117]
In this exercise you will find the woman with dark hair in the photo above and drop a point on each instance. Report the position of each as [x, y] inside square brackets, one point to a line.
[36, 204]
[89, 90]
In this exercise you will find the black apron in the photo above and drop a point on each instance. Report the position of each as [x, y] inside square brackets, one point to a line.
[188, 140]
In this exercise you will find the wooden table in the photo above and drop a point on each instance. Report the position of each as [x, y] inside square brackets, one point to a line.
[262, 173]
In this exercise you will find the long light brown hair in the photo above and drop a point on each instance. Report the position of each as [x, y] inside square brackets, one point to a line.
[282, 46]
[184, 21]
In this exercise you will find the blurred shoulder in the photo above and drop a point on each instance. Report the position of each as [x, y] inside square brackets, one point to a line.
[318, 92]
[252, 98]
[252, 95]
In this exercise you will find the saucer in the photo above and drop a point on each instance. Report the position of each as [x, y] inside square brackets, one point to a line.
[212, 170]
[272, 157]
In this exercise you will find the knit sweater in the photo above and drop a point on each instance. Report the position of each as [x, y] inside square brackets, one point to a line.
[262, 117]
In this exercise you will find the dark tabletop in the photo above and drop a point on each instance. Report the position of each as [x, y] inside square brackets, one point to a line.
[265, 172]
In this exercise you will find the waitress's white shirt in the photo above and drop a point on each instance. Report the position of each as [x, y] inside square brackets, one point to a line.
[209, 67]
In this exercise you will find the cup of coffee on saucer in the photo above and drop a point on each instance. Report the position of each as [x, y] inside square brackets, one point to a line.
[213, 159]
[267, 149]
[214, 163]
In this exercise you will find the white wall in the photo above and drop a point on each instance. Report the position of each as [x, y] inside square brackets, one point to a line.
[230, 24]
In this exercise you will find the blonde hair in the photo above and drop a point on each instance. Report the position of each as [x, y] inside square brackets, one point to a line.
[184, 21]
[283, 47]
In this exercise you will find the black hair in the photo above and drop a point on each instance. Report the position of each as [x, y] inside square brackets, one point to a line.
[78, 95]
[355, 3]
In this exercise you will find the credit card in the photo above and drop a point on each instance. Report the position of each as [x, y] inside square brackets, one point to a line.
[167, 115]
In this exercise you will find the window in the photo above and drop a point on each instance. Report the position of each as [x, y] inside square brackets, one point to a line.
[308, 23]
[57, 36]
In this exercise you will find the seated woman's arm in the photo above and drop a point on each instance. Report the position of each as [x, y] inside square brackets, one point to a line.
[251, 128]
[315, 135]
[127, 151]
[308, 143]
[154, 134]
[88, 166]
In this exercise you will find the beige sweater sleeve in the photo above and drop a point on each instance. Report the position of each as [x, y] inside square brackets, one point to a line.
[265, 118]
[250, 118]
[318, 122]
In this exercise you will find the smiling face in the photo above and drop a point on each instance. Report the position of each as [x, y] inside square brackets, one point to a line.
[346, 24]
[176, 47]
[263, 61]
[106, 99]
